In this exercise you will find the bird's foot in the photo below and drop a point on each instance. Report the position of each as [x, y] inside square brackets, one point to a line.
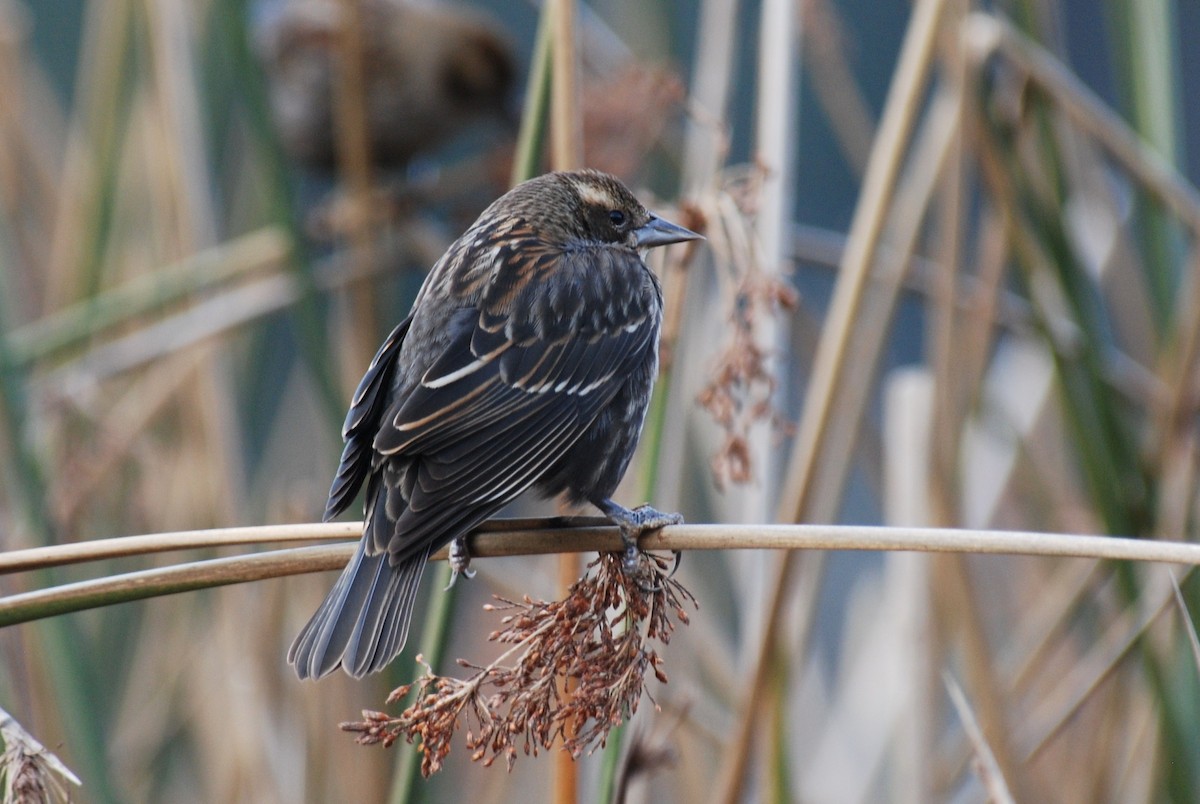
[460, 561]
[633, 524]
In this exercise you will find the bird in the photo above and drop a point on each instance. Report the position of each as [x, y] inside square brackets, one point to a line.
[526, 362]
[430, 72]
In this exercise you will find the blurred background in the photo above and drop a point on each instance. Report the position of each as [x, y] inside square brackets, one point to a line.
[951, 279]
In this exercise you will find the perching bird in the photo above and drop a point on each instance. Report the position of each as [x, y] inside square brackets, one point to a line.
[527, 361]
[429, 73]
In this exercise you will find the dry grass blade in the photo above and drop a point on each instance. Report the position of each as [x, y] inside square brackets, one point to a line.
[354, 161]
[1046, 620]
[804, 495]
[988, 769]
[30, 773]
[800, 488]
[834, 81]
[200, 322]
[1045, 722]
[566, 121]
[85, 321]
[1193, 640]
[986, 35]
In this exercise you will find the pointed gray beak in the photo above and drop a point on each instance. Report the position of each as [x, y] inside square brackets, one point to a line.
[659, 232]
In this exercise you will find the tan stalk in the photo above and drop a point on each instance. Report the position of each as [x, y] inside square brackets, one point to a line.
[192, 223]
[962, 608]
[566, 153]
[801, 497]
[92, 135]
[1055, 710]
[1045, 621]
[943, 345]
[140, 406]
[833, 80]
[77, 324]
[26, 189]
[360, 328]
[566, 122]
[548, 536]
[908, 422]
[988, 768]
[1186, 616]
[779, 35]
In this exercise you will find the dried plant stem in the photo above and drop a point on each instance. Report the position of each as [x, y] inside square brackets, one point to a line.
[88, 170]
[809, 452]
[75, 325]
[435, 634]
[566, 126]
[987, 767]
[1044, 622]
[803, 498]
[1041, 725]
[566, 153]
[961, 608]
[986, 35]
[942, 342]
[566, 770]
[527, 160]
[125, 546]
[354, 162]
[520, 537]
[169, 580]
[712, 73]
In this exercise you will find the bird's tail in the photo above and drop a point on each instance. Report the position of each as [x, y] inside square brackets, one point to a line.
[363, 623]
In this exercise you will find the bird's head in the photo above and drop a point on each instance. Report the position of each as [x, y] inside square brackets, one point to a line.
[591, 206]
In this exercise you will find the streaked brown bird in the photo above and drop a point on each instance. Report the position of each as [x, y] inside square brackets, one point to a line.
[527, 360]
[429, 73]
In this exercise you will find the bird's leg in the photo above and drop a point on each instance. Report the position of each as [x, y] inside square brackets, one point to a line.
[633, 524]
[460, 560]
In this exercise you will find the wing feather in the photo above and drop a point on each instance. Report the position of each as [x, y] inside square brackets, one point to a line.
[366, 409]
[522, 378]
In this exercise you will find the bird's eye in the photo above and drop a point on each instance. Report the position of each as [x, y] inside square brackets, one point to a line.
[617, 217]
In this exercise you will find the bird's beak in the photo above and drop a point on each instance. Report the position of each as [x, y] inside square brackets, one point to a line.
[659, 232]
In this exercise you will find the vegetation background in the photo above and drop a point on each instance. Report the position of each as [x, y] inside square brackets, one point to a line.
[951, 279]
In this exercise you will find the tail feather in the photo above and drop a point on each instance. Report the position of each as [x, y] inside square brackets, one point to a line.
[363, 623]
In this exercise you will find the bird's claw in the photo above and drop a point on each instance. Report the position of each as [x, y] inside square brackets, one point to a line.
[633, 525]
[460, 561]
[647, 518]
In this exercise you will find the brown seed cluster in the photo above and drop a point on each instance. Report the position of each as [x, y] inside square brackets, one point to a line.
[595, 640]
[741, 385]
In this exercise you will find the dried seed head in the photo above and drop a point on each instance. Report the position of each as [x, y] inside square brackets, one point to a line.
[600, 648]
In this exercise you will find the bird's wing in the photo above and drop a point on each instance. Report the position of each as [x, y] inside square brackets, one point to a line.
[525, 373]
[362, 421]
